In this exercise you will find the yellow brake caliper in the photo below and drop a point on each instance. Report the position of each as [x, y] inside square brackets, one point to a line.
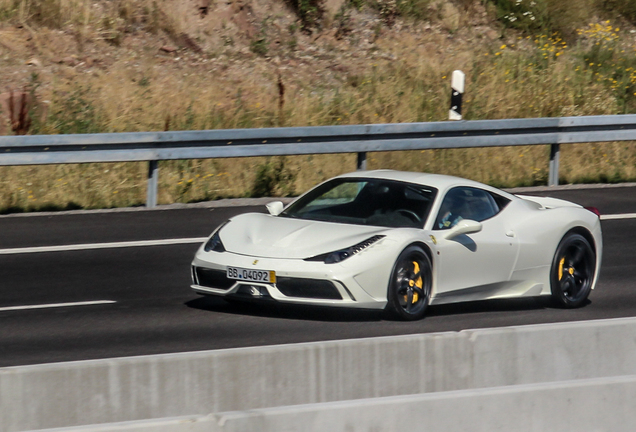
[561, 263]
[417, 283]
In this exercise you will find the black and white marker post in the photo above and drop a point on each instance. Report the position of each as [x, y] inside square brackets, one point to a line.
[457, 92]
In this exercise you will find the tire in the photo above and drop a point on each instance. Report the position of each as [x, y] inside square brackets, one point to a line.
[572, 272]
[409, 288]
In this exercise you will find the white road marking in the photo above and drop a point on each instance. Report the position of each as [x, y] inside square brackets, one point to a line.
[56, 305]
[77, 247]
[618, 216]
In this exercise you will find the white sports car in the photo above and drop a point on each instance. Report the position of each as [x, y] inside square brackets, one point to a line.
[400, 241]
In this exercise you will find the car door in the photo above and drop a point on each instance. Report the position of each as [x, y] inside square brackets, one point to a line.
[481, 260]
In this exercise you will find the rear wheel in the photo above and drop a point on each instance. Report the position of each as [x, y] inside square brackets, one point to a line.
[410, 285]
[572, 272]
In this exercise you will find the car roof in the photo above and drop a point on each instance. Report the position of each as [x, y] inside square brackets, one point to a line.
[439, 181]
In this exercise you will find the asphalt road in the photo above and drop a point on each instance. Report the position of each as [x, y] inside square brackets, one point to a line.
[152, 309]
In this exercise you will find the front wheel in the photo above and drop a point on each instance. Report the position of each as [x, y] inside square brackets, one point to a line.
[572, 272]
[410, 285]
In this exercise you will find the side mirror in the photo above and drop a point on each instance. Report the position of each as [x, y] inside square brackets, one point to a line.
[275, 208]
[464, 226]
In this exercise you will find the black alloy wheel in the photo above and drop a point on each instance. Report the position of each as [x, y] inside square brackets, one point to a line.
[572, 273]
[410, 285]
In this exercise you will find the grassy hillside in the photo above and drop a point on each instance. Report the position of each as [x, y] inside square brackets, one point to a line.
[141, 65]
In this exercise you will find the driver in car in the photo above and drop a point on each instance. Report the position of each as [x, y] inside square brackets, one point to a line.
[448, 212]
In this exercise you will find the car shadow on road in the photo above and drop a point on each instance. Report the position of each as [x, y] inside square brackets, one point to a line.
[270, 309]
[497, 305]
[484, 306]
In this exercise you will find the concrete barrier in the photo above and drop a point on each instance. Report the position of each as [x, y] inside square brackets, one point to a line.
[172, 385]
[601, 404]
[207, 423]
[598, 404]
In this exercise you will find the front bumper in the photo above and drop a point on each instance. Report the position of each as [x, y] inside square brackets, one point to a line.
[298, 281]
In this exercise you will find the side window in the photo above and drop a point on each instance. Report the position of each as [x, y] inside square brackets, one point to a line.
[465, 203]
[501, 201]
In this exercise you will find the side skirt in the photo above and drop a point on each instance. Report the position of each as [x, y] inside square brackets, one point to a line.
[508, 289]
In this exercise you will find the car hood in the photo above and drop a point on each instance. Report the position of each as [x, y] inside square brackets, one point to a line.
[263, 235]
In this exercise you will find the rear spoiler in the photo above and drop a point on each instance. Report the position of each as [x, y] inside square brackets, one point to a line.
[547, 202]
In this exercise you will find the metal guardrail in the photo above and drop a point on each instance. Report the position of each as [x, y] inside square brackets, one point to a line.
[156, 146]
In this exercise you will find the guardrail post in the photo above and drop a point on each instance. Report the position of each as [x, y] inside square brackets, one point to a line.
[362, 161]
[457, 92]
[553, 178]
[153, 177]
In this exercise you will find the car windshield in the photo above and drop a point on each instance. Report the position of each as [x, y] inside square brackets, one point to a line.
[365, 202]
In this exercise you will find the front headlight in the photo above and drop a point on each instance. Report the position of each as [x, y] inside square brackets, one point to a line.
[214, 243]
[343, 254]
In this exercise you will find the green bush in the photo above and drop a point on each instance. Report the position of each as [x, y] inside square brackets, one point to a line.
[273, 179]
[310, 13]
[610, 64]
[626, 8]
[73, 113]
[545, 16]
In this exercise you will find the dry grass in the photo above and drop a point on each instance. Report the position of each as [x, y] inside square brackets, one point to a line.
[518, 77]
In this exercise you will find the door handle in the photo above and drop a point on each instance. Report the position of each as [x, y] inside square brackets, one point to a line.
[510, 233]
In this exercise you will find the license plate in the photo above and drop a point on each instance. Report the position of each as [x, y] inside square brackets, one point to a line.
[251, 275]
